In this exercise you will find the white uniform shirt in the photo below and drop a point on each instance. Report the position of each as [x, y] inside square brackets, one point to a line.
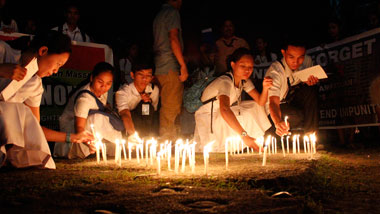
[279, 76]
[85, 102]
[127, 97]
[30, 93]
[74, 35]
[223, 85]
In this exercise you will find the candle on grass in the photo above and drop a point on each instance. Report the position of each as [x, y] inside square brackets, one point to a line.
[206, 155]
[159, 155]
[124, 150]
[117, 152]
[298, 143]
[267, 142]
[97, 146]
[313, 140]
[184, 153]
[287, 143]
[282, 146]
[178, 146]
[169, 154]
[294, 143]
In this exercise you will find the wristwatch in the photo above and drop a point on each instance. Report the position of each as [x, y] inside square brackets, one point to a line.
[68, 137]
[243, 134]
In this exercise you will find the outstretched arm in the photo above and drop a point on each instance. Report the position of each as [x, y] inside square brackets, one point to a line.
[262, 98]
[275, 113]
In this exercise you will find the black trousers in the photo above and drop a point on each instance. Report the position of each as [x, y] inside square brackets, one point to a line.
[144, 124]
[303, 109]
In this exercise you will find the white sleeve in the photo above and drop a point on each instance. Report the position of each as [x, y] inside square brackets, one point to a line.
[82, 106]
[122, 99]
[275, 89]
[248, 86]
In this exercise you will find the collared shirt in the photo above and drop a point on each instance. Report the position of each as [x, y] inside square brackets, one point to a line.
[167, 19]
[223, 85]
[127, 97]
[225, 49]
[30, 93]
[279, 76]
[74, 35]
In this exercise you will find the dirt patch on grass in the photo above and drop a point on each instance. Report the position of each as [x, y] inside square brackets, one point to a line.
[338, 181]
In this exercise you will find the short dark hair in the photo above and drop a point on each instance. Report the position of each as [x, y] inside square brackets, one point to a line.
[55, 41]
[101, 67]
[236, 56]
[294, 39]
[142, 62]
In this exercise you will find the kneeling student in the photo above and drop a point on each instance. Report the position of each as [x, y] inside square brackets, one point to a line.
[137, 101]
[86, 107]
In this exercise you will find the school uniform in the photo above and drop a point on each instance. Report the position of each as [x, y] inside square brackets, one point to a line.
[128, 98]
[79, 106]
[251, 116]
[298, 100]
[26, 144]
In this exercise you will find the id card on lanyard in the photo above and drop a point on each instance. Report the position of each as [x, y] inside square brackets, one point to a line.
[145, 109]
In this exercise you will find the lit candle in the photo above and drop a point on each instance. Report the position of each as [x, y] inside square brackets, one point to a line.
[124, 152]
[104, 152]
[159, 154]
[304, 143]
[267, 142]
[97, 146]
[92, 129]
[178, 146]
[282, 146]
[287, 143]
[298, 143]
[130, 150]
[206, 150]
[294, 143]
[184, 152]
[313, 140]
[169, 154]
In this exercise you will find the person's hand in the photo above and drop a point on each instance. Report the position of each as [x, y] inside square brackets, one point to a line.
[134, 138]
[146, 98]
[81, 137]
[13, 71]
[312, 80]
[267, 82]
[184, 74]
[84, 137]
[282, 128]
[251, 143]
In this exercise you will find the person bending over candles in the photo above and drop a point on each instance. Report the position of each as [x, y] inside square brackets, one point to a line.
[223, 114]
[288, 95]
[26, 141]
[88, 106]
[137, 102]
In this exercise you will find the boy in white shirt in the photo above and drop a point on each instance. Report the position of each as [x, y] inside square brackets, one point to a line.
[137, 101]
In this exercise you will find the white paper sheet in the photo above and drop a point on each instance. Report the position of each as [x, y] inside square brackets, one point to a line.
[316, 71]
[14, 85]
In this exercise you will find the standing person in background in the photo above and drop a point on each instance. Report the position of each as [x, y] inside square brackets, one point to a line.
[227, 44]
[129, 55]
[71, 25]
[263, 54]
[171, 70]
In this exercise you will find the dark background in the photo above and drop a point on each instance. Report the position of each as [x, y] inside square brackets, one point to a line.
[111, 21]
